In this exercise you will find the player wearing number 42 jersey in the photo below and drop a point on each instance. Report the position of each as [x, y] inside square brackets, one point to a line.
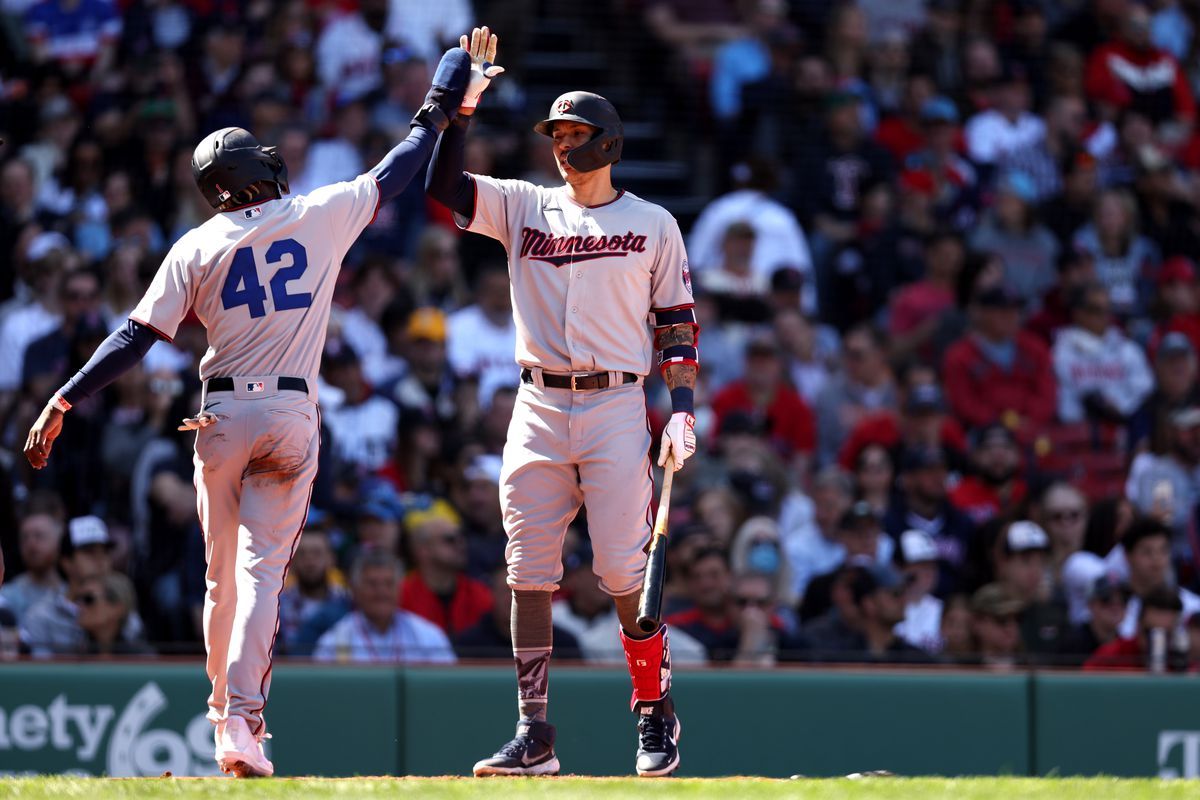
[260, 276]
[599, 282]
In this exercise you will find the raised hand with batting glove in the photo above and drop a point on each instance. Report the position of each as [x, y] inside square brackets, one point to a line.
[482, 47]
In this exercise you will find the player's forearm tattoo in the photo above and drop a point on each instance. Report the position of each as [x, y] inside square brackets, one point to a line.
[677, 375]
[675, 335]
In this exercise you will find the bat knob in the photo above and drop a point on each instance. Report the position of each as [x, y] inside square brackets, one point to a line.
[647, 624]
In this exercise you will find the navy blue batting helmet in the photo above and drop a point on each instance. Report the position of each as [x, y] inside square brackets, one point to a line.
[231, 160]
[590, 109]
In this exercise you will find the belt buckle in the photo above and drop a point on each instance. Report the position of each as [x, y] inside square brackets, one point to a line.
[574, 385]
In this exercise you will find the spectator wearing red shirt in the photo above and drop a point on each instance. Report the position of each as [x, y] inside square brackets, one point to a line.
[917, 309]
[1178, 296]
[922, 421]
[437, 588]
[1131, 73]
[994, 486]
[1076, 268]
[1161, 609]
[997, 372]
[764, 395]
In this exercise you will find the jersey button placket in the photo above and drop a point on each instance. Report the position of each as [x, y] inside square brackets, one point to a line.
[573, 321]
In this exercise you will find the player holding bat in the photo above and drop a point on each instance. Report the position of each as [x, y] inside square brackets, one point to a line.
[599, 284]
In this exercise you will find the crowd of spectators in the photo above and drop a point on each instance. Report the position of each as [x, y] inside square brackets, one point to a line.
[948, 409]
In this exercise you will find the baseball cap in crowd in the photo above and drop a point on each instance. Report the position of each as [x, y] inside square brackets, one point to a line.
[379, 510]
[87, 531]
[840, 98]
[44, 244]
[339, 354]
[1023, 536]
[484, 467]
[1105, 588]
[762, 345]
[740, 229]
[787, 279]
[1178, 269]
[925, 398]
[1018, 184]
[740, 423]
[916, 547]
[1152, 159]
[867, 580]
[995, 600]
[427, 323]
[858, 514]
[939, 109]
[1186, 417]
[1176, 344]
[995, 433]
[316, 518]
[437, 509]
[998, 296]
[915, 458]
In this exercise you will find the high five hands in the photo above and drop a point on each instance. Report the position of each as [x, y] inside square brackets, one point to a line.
[482, 46]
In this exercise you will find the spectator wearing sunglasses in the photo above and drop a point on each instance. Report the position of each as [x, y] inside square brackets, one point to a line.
[1062, 513]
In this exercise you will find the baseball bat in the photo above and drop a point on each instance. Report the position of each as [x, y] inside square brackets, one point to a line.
[650, 607]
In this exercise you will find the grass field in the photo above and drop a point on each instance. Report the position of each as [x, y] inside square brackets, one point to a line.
[606, 788]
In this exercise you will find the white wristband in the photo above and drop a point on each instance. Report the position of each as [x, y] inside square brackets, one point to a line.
[60, 404]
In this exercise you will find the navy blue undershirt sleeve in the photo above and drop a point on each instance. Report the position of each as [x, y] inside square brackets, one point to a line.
[446, 181]
[115, 356]
[396, 170]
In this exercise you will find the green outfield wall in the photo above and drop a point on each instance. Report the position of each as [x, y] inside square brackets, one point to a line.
[147, 719]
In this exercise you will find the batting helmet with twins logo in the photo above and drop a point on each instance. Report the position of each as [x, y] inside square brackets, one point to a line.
[590, 109]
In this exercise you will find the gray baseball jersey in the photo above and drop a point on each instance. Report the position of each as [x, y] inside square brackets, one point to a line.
[587, 284]
[261, 280]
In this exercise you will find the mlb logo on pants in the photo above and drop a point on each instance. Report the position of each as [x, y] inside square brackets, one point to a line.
[254, 386]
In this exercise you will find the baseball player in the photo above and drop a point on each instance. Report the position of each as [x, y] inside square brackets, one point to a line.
[260, 276]
[599, 280]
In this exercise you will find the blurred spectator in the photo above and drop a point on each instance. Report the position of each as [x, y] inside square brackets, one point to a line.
[1124, 259]
[427, 389]
[995, 486]
[1131, 72]
[378, 526]
[316, 596]
[376, 631]
[429, 29]
[1170, 27]
[1178, 297]
[339, 157]
[1102, 375]
[756, 550]
[90, 613]
[997, 372]
[813, 547]
[922, 504]
[862, 543]
[1076, 269]
[1163, 483]
[437, 278]
[491, 637]
[730, 615]
[995, 634]
[1062, 511]
[1160, 610]
[39, 538]
[1022, 557]
[1010, 231]
[957, 639]
[348, 51]
[1040, 162]
[915, 310]
[361, 323]
[1148, 552]
[1175, 388]
[874, 476]
[922, 421]
[808, 358]
[953, 178]
[1067, 212]
[863, 386]
[438, 588]
[363, 424]
[79, 36]
[744, 59]
[778, 242]
[477, 498]
[1008, 124]
[46, 362]
[481, 339]
[49, 256]
[731, 280]
[1106, 607]
[764, 394]
[917, 558]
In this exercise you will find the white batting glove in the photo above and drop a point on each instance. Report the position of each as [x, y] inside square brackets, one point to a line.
[201, 420]
[679, 439]
[482, 47]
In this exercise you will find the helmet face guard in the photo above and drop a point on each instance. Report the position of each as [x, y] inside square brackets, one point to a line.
[229, 161]
[604, 147]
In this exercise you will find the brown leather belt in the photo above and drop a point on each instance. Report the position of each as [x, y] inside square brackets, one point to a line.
[577, 383]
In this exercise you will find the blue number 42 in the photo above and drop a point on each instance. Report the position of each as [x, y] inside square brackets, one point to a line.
[243, 289]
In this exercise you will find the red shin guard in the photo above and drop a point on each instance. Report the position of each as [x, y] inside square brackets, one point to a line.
[649, 663]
